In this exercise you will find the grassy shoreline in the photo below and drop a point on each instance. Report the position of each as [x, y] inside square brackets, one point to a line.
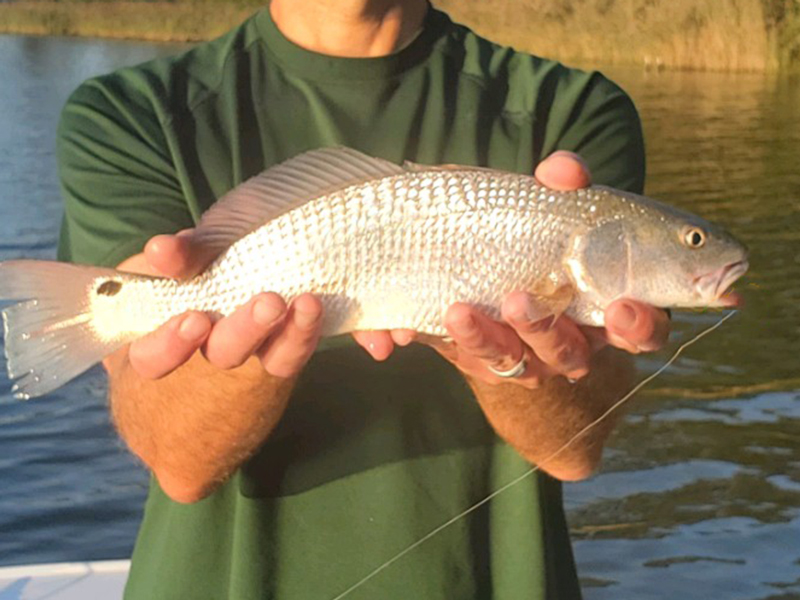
[727, 35]
[724, 35]
[148, 21]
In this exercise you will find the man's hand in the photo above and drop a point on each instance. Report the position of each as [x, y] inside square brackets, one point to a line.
[281, 337]
[549, 347]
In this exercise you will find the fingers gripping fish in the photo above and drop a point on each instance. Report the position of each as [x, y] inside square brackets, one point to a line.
[385, 247]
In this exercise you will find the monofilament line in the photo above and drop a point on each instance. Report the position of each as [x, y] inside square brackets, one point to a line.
[535, 468]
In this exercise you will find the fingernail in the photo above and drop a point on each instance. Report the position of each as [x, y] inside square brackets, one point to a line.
[626, 317]
[534, 311]
[543, 324]
[403, 338]
[305, 319]
[192, 328]
[265, 313]
[465, 325]
[575, 375]
[574, 364]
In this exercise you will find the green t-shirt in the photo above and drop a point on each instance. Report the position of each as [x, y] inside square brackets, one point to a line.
[369, 456]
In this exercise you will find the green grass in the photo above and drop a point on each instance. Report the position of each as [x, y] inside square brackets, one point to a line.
[732, 35]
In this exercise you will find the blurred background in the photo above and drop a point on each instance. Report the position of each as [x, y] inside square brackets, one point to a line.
[742, 35]
[699, 494]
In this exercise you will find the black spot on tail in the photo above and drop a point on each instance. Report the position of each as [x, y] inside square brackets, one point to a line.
[109, 288]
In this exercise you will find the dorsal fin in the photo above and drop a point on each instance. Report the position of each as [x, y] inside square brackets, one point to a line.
[283, 187]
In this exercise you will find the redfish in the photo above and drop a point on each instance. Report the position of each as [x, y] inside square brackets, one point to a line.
[383, 246]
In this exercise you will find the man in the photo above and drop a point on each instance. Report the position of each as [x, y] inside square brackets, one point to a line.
[286, 467]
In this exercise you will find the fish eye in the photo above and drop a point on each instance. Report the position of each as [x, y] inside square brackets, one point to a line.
[694, 237]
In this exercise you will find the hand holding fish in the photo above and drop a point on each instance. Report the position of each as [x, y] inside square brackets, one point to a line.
[548, 347]
[282, 337]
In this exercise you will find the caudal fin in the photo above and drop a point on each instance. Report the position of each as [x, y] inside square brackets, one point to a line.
[49, 338]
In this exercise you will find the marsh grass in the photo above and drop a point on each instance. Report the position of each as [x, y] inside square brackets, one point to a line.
[732, 35]
[154, 21]
[689, 34]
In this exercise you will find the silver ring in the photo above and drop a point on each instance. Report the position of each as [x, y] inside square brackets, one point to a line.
[515, 371]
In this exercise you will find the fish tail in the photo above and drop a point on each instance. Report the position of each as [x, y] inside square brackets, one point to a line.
[51, 335]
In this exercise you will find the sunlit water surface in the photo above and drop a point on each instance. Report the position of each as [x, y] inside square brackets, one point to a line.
[700, 488]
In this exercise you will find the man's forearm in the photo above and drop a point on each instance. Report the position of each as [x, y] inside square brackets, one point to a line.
[195, 426]
[538, 423]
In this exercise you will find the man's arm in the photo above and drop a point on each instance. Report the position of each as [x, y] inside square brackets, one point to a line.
[540, 412]
[540, 423]
[193, 400]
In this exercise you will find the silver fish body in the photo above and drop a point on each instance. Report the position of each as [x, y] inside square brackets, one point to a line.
[389, 247]
[396, 252]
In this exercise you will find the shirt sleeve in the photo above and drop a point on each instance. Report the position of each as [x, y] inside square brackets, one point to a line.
[604, 128]
[117, 175]
[585, 113]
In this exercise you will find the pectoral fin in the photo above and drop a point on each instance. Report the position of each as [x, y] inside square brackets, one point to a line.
[549, 300]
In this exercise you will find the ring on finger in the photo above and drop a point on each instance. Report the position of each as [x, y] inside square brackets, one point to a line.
[515, 371]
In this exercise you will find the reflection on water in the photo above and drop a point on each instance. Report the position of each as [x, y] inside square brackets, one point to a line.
[700, 490]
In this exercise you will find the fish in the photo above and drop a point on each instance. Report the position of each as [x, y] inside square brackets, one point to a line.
[384, 246]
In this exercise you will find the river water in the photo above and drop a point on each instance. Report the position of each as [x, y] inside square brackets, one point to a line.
[699, 494]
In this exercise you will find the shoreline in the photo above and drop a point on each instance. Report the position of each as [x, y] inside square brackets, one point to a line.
[704, 35]
[141, 21]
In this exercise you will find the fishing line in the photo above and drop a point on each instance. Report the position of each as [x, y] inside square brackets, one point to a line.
[535, 468]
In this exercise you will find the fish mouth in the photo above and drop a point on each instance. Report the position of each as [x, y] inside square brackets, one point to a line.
[714, 287]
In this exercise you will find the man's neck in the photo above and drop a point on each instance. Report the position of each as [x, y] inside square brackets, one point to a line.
[352, 28]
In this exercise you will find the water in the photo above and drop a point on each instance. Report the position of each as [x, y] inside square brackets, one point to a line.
[699, 496]
[69, 489]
